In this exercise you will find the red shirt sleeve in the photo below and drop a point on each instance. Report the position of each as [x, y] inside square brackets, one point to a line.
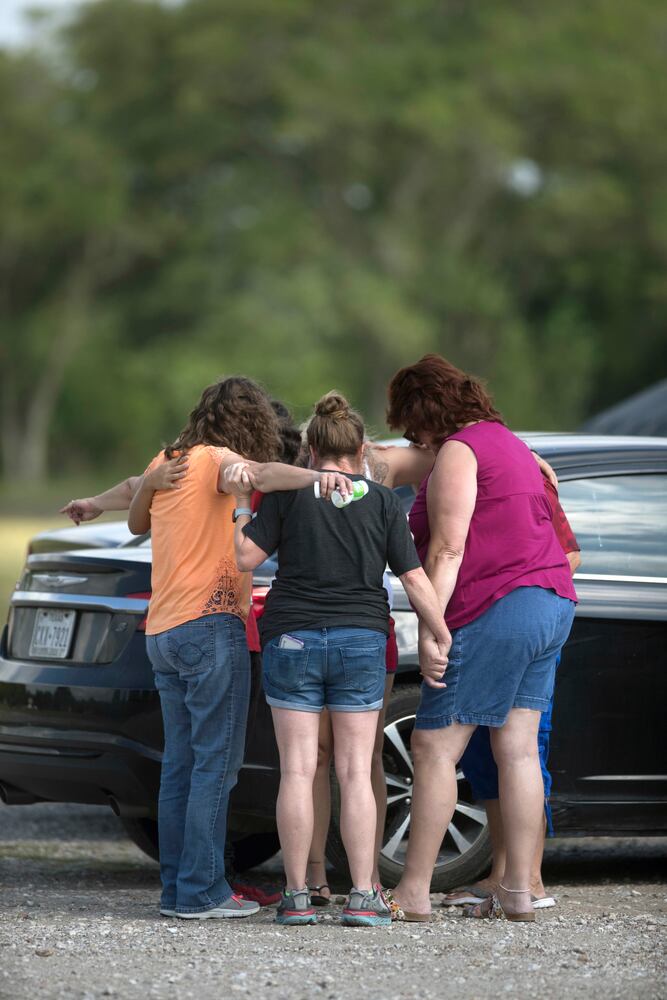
[255, 501]
[564, 533]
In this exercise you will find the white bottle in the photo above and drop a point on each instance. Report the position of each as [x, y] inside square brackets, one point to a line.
[359, 490]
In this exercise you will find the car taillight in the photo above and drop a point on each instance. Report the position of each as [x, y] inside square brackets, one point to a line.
[258, 599]
[143, 596]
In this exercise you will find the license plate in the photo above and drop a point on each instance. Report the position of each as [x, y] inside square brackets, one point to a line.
[52, 634]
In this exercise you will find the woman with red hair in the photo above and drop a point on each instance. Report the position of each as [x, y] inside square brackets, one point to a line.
[482, 526]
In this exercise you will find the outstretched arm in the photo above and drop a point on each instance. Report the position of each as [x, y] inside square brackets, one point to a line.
[119, 497]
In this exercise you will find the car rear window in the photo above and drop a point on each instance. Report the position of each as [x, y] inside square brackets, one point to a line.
[620, 523]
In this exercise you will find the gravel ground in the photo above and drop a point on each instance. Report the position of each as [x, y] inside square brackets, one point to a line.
[78, 920]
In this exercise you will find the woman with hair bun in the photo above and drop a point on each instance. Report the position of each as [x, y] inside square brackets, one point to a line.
[324, 633]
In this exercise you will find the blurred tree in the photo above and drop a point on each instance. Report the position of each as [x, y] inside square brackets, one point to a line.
[62, 242]
[316, 194]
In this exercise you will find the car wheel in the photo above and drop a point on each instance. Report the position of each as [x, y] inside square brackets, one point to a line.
[247, 849]
[252, 849]
[465, 852]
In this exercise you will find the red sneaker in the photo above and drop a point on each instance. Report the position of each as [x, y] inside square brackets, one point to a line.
[265, 897]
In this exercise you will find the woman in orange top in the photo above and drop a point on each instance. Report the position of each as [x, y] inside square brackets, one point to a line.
[196, 639]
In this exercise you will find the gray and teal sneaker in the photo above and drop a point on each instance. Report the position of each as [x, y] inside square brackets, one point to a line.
[366, 908]
[295, 908]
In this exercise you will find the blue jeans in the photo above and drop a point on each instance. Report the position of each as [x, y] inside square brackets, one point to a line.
[202, 671]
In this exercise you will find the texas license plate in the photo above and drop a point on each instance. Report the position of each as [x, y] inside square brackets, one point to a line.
[52, 634]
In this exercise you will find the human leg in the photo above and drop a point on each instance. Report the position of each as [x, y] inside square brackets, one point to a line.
[378, 780]
[435, 753]
[177, 761]
[354, 735]
[212, 658]
[316, 875]
[480, 770]
[521, 803]
[296, 736]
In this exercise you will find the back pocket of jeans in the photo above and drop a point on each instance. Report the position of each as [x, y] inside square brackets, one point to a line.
[192, 646]
[362, 666]
[285, 669]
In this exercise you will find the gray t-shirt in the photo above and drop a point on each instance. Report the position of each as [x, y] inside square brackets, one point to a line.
[331, 560]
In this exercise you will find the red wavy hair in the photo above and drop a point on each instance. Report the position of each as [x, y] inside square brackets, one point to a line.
[437, 397]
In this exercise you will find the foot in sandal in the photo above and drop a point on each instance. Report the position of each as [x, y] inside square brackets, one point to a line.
[506, 904]
[408, 907]
[320, 895]
[469, 894]
[316, 877]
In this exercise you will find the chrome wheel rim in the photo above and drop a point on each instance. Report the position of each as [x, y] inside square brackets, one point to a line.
[468, 822]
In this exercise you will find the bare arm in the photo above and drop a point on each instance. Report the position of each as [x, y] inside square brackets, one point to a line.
[398, 466]
[450, 499]
[574, 559]
[248, 555]
[546, 469]
[424, 600]
[241, 477]
[119, 497]
[139, 518]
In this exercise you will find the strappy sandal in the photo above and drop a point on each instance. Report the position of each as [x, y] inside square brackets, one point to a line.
[492, 909]
[316, 897]
[404, 916]
[466, 894]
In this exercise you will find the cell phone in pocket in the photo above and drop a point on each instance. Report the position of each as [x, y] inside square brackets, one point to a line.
[290, 642]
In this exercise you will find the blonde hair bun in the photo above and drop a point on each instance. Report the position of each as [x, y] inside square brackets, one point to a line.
[332, 405]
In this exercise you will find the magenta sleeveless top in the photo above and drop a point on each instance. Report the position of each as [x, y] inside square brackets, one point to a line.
[511, 541]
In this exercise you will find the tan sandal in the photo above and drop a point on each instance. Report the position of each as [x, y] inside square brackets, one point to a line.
[404, 916]
[492, 909]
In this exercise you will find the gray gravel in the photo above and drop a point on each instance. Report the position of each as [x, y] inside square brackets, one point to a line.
[78, 920]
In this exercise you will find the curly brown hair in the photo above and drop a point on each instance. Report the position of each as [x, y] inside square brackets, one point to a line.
[233, 413]
[437, 397]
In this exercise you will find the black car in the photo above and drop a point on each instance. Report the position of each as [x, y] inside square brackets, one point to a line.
[80, 719]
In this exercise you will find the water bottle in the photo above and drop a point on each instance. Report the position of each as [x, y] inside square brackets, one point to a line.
[359, 490]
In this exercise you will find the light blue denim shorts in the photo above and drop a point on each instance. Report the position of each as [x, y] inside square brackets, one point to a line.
[504, 659]
[342, 669]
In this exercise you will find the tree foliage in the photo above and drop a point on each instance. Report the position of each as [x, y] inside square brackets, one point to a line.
[315, 194]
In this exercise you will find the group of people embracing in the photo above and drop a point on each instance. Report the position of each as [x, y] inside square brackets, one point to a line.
[486, 573]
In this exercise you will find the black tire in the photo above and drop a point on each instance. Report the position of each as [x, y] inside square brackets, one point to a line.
[247, 849]
[143, 832]
[252, 849]
[466, 849]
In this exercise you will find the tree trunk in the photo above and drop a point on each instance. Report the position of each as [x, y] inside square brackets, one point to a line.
[25, 441]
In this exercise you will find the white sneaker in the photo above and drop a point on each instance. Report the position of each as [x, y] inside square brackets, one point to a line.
[235, 906]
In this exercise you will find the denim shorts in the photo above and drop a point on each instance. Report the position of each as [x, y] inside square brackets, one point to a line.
[504, 659]
[342, 669]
